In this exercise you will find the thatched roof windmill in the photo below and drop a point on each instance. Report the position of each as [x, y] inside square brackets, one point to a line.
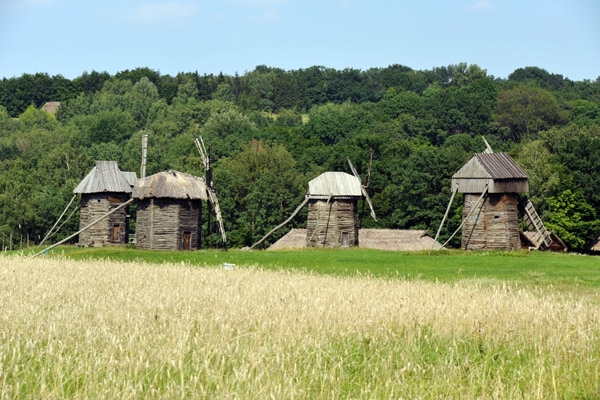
[332, 199]
[491, 183]
[169, 213]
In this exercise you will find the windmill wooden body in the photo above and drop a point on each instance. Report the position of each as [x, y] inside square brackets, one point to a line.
[105, 188]
[332, 210]
[491, 183]
[332, 199]
[169, 215]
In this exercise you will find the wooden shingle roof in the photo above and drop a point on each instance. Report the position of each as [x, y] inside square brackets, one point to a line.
[171, 184]
[334, 184]
[491, 166]
[104, 177]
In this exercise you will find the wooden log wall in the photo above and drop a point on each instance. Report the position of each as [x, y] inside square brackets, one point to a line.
[161, 223]
[327, 223]
[493, 226]
[95, 205]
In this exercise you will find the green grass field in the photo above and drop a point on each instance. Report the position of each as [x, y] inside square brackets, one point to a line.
[563, 271]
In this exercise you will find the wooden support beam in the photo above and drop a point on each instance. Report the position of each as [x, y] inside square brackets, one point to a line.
[467, 217]
[282, 224]
[437, 235]
[57, 221]
[87, 227]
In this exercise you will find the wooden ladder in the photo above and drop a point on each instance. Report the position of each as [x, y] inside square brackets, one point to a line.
[534, 223]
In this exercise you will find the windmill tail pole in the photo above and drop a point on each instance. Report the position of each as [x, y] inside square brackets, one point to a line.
[282, 224]
[58, 220]
[468, 215]
[86, 228]
[437, 235]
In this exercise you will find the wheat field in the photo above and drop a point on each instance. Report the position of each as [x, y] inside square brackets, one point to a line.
[102, 329]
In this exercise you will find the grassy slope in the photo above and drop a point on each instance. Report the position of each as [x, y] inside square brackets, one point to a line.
[561, 270]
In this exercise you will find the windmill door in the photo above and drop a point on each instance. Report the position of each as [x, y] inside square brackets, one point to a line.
[116, 232]
[187, 241]
[345, 239]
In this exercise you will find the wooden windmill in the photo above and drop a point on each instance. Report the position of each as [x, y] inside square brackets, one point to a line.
[105, 188]
[491, 184]
[332, 199]
[169, 211]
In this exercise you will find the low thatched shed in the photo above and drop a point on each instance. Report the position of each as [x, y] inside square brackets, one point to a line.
[105, 188]
[594, 246]
[381, 239]
[534, 240]
[332, 212]
[169, 215]
[495, 222]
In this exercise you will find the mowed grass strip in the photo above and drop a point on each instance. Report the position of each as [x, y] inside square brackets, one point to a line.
[564, 271]
[106, 329]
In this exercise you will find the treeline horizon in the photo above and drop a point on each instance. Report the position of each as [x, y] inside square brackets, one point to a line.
[272, 130]
[297, 89]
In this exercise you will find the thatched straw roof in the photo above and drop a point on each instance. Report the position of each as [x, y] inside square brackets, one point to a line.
[594, 245]
[396, 239]
[334, 184]
[51, 107]
[105, 177]
[171, 184]
[294, 239]
[382, 239]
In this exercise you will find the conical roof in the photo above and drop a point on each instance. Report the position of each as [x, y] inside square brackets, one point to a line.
[104, 177]
[171, 184]
[334, 184]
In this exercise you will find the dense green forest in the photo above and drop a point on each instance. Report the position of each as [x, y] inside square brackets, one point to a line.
[272, 130]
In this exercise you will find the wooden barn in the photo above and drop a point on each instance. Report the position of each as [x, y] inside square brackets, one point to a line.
[169, 215]
[332, 210]
[491, 183]
[105, 188]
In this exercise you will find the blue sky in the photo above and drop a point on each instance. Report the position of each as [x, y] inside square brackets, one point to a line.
[69, 37]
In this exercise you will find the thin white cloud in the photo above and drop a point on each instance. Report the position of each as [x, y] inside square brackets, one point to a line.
[258, 3]
[482, 5]
[148, 13]
[264, 18]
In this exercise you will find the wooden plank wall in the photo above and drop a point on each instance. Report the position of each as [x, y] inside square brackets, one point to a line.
[161, 223]
[95, 205]
[495, 226]
[329, 221]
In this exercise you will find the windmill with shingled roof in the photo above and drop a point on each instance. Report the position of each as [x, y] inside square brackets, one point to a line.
[333, 219]
[491, 184]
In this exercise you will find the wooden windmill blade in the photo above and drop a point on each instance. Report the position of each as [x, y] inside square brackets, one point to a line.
[363, 190]
[368, 199]
[212, 196]
[367, 179]
[215, 202]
